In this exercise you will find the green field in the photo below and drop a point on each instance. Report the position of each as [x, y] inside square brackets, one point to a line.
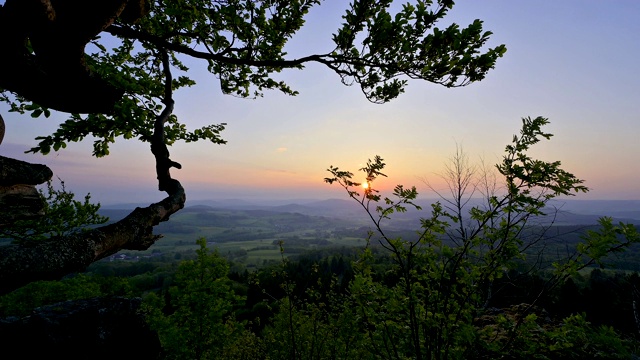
[251, 237]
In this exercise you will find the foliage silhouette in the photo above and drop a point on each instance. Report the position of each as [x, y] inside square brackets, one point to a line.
[117, 66]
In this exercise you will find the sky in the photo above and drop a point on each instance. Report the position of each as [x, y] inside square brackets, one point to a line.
[572, 61]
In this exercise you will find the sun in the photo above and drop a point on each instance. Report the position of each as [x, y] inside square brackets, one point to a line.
[365, 185]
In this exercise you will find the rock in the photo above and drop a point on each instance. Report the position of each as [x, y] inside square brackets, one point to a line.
[98, 328]
[16, 172]
[2, 127]
[19, 202]
[19, 198]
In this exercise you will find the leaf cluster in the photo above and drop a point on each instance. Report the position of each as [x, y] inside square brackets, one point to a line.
[409, 43]
[63, 216]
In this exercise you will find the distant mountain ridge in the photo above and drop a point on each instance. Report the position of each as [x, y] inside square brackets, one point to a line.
[560, 211]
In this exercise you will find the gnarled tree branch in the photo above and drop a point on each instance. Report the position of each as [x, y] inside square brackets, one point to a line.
[21, 264]
[56, 257]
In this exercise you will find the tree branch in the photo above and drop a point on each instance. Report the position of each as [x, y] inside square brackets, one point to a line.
[21, 264]
[129, 33]
[56, 257]
[158, 145]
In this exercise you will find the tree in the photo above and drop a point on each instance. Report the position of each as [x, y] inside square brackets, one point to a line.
[444, 279]
[201, 324]
[126, 90]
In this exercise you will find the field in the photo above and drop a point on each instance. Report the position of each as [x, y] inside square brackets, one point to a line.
[254, 237]
[251, 237]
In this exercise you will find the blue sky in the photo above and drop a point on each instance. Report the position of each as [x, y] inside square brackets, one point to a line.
[573, 61]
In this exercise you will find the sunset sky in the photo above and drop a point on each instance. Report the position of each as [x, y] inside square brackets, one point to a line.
[573, 61]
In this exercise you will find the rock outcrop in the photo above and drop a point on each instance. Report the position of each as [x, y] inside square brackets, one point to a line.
[99, 328]
[19, 198]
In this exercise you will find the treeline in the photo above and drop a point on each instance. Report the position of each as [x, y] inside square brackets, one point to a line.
[318, 306]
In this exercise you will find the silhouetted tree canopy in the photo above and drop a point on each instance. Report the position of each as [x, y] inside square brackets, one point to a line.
[110, 64]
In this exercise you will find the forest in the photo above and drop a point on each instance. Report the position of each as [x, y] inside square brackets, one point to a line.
[488, 271]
